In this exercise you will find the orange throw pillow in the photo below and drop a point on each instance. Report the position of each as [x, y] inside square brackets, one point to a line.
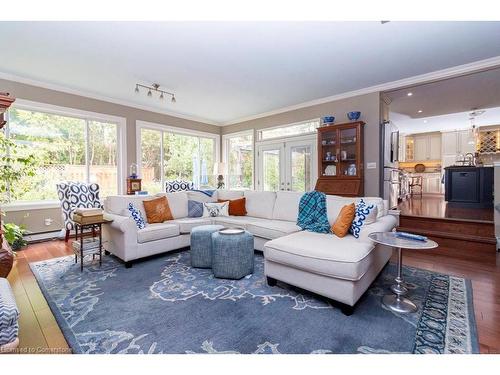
[237, 207]
[157, 210]
[344, 220]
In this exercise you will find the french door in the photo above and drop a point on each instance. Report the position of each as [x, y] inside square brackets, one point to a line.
[287, 165]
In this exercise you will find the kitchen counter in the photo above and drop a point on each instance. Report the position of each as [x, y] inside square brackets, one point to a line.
[469, 186]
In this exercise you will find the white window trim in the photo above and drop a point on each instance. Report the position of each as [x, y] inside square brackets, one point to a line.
[259, 131]
[121, 122]
[225, 139]
[140, 124]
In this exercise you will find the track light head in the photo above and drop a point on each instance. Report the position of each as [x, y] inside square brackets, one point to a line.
[149, 93]
[136, 89]
[161, 96]
[173, 99]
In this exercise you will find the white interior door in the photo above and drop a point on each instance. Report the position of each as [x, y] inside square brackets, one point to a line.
[300, 166]
[270, 162]
[287, 165]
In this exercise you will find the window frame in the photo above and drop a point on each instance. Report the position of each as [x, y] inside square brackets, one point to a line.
[283, 126]
[121, 126]
[140, 124]
[225, 150]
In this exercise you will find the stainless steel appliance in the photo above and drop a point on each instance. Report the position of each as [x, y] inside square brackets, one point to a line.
[392, 184]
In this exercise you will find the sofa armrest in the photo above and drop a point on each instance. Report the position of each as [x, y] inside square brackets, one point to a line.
[122, 223]
[384, 224]
[396, 214]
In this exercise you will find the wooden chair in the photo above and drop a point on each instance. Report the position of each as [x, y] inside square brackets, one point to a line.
[416, 182]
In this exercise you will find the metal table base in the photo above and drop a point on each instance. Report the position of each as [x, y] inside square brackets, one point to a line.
[396, 302]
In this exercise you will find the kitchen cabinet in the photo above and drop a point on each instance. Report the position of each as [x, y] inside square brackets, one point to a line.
[469, 186]
[457, 142]
[422, 147]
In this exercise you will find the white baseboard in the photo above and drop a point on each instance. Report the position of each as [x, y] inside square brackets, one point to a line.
[39, 237]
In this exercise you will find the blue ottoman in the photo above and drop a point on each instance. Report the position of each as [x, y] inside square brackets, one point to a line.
[201, 245]
[232, 255]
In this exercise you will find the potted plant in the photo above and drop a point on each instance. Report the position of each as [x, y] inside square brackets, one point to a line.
[14, 235]
[15, 165]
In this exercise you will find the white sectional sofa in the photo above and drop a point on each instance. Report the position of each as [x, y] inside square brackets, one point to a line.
[338, 268]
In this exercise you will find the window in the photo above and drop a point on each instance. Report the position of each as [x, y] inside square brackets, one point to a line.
[239, 158]
[167, 154]
[67, 148]
[290, 130]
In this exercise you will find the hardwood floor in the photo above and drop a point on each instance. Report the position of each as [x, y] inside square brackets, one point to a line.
[38, 328]
[436, 207]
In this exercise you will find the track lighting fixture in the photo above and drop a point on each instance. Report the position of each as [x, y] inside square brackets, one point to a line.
[155, 87]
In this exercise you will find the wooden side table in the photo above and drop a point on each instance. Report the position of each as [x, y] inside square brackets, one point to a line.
[91, 249]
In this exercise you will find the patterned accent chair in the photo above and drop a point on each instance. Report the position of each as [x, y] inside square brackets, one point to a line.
[75, 195]
[178, 185]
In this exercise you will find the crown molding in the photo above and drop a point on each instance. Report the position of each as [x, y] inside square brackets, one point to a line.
[399, 84]
[91, 95]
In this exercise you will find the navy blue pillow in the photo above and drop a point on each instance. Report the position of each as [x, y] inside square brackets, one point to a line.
[195, 209]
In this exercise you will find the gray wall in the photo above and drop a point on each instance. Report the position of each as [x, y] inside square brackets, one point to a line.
[368, 104]
[34, 219]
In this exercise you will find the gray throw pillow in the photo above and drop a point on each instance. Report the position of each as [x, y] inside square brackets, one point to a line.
[195, 209]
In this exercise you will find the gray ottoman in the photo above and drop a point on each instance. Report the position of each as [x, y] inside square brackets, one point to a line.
[232, 255]
[9, 315]
[201, 245]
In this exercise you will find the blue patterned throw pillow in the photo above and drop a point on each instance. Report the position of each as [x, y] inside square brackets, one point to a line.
[178, 185]
[136, 215]
[195, 209]
[365, 214]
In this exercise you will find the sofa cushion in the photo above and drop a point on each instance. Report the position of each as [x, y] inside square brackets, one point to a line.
[198, 196]
[233, 221]
[187, 224]
[157, 210]
[229, 194]
[286, 206]
[178, 203]
[118, 204]
[237, 207]
[157, 231]
[271, 229]
[334, 204]
[136, 215]
[323, 254]
[260, 203]
[344, 220]
[215, 209]
[195, 208]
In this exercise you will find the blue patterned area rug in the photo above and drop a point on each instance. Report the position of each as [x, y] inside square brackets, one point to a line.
[162, 305]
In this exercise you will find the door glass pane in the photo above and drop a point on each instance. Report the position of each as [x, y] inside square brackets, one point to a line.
[300, 168]
[151, 160]
[271, 170]
[103, 139]
[58, 143]
[348, 157]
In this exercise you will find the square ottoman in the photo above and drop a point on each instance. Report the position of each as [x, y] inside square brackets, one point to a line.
[201, 245]
[232, 255]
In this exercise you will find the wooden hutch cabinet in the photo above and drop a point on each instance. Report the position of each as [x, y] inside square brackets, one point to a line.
[340, 159]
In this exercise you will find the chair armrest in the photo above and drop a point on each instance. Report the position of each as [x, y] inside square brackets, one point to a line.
[121, 223]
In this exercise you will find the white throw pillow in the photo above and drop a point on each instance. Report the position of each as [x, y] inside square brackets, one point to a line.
[215, 209]
[365, 214]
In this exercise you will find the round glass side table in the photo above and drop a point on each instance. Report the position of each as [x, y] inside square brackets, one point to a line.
[397, 302]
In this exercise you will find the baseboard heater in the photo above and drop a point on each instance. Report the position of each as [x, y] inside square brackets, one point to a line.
[43, 236]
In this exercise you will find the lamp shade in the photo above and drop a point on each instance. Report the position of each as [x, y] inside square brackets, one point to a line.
[219, 168]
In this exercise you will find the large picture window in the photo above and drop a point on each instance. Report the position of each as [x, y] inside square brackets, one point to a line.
[66, 149]
[166, 154]
[239, 155]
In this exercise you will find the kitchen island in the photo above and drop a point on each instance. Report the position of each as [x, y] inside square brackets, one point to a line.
[469, 186]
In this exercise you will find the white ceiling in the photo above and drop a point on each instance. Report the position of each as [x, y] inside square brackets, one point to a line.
[222, 72]
[448, 122]
[459, 94]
